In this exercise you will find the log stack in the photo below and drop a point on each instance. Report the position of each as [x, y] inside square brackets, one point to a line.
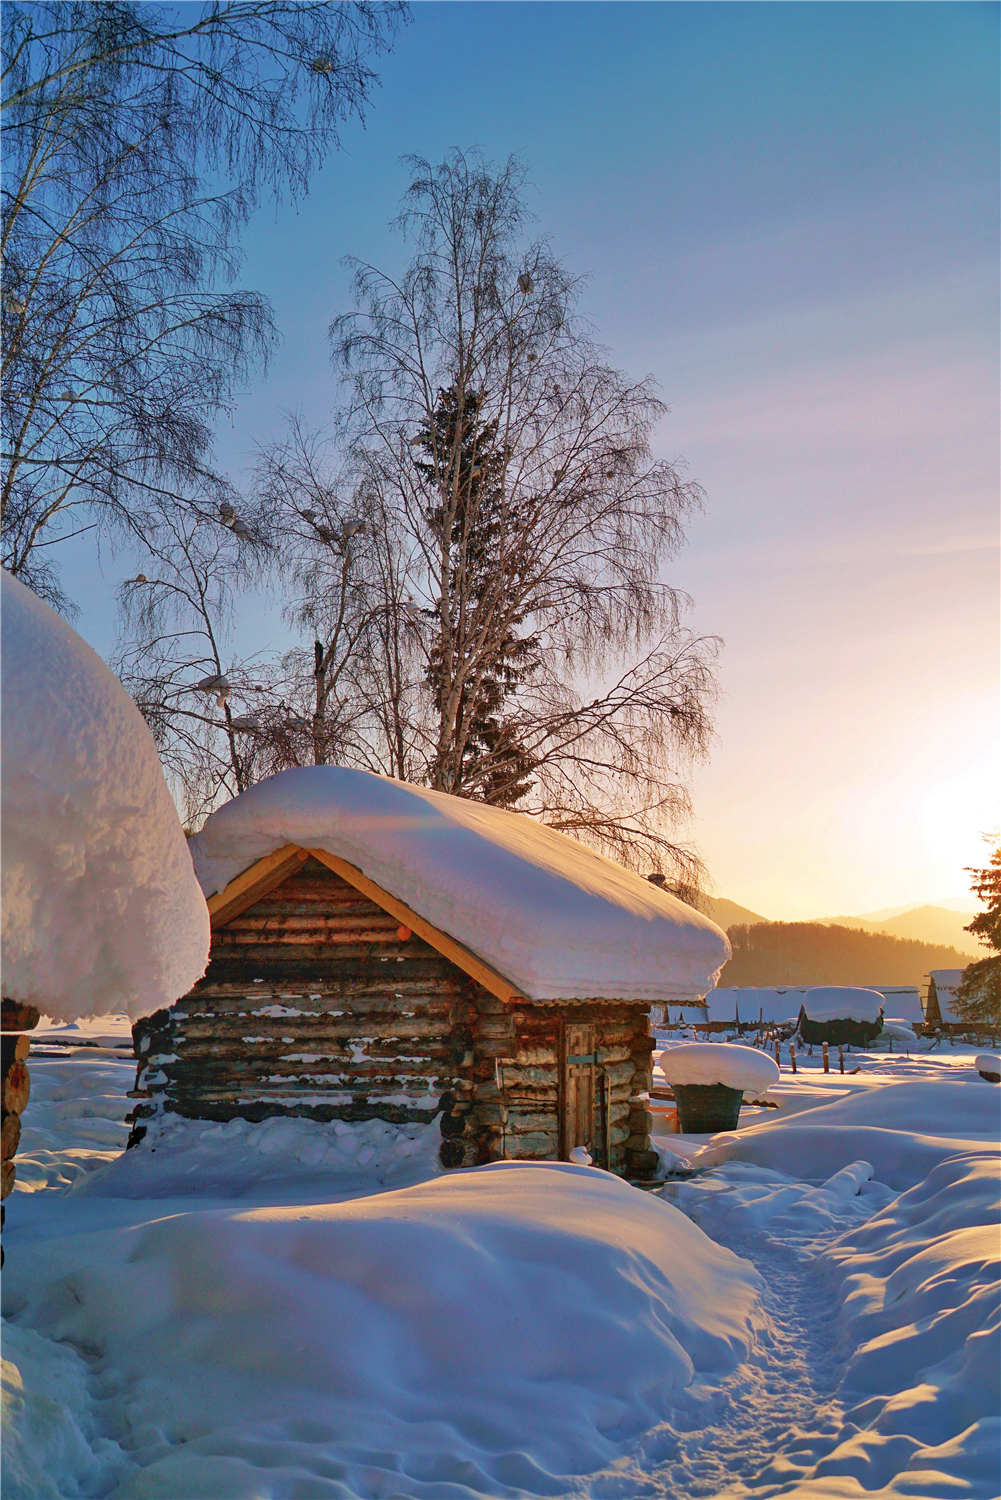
[17, 1020]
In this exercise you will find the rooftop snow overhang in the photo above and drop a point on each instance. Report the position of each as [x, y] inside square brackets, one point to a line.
[544, 918]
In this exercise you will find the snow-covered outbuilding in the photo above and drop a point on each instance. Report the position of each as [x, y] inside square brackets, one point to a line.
[382, 950]
[840, 1014]
[938, 992]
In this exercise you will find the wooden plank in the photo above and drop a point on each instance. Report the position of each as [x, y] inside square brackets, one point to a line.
[459, 954]
[247, 888]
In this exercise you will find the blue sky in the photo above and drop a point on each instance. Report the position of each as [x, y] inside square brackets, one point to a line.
[788, 214]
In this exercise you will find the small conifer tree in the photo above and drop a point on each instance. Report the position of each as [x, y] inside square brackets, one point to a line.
[978, 999]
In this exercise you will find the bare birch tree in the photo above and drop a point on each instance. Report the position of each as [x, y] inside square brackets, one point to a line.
[137, 140]
[532, 522]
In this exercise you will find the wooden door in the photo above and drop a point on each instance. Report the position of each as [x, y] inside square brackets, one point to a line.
[577, 1069]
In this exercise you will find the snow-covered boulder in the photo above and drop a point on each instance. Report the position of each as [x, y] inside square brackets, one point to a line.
[101, 908]
[556, 919]
[728, 1063]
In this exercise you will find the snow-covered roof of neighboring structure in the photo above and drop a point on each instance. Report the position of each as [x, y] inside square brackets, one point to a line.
[841, 1002]
[947, 979]
[752, 1003]
[901, 1001]
[556, 919]
[101, 909]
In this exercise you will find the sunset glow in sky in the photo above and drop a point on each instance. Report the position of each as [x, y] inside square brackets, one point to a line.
[789, 216]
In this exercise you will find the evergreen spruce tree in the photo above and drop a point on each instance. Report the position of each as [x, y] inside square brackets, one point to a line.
[978, 998]
[478, 641]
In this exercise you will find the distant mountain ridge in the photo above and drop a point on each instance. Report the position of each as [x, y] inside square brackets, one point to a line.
[922, 924]
[936, 925]
[777, 953]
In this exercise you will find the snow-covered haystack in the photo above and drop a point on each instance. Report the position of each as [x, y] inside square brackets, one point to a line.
[841, 1013]
[101, 909]
[474, 1335]
[558, 920]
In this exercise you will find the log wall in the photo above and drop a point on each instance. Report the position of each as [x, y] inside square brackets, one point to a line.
[14, 1046]
[316, 1002]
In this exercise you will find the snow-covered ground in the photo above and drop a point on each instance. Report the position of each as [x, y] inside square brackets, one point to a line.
[807, 1306]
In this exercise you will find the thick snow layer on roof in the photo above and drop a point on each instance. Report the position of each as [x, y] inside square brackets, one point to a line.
[753, 1003]
[101, 909]
[841, 1002]
[903, 1002]
[947, 979]
[557, 920]
[719, 1062]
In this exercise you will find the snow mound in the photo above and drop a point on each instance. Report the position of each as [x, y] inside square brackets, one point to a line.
[921, 1301]
[556, 919]
[904, 1129]
[841, 1002]
[988, 1064]
[101, 909]
[719, 1062]
[490, 1333]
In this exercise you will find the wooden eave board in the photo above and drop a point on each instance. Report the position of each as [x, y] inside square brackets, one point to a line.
[254, 883]
[270, 871]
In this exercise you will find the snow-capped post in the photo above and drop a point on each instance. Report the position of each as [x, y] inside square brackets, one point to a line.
[710, 1079]
[827, 1060]
[101, 909]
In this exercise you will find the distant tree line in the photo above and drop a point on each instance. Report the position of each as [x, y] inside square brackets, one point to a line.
[777, 953]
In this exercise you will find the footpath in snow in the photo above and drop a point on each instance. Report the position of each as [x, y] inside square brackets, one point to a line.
[807, 1306]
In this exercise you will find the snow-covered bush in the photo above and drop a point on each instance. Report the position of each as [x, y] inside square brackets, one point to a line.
[101, 909]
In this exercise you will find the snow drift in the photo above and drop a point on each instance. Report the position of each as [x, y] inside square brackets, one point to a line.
[478, 1334]
[100, 905]
[556, 919]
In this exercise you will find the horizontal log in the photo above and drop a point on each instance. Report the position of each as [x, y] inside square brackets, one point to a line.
[16, 1016]
[541, 1144]
[10, 1135]
[16, 1088]
[6, 1179]
[197, 1035]
[13, 1048]
[521, 1122]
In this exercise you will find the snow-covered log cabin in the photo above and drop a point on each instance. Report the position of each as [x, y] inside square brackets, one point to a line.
[384, 951]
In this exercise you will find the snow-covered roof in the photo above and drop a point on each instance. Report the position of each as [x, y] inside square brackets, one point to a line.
[101, 909]
[556, 919]
[753, 1003]
[947, 979]
[841, 1002]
